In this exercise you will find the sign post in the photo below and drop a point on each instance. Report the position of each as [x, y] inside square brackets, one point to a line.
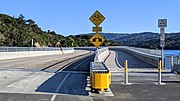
[97, 18]
[162, 23]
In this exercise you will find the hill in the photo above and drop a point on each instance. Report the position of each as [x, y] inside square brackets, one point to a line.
[145, 39]
[19, 32]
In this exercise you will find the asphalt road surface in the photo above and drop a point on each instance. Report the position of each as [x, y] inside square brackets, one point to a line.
[64, 74]
[133, 62]
[64, 79]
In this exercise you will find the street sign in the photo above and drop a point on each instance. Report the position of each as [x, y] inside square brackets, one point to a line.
[97, 18]
[162, 23]
[97, 40]
[97, 29]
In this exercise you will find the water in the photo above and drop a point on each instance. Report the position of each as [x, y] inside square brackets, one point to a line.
[167, 54]
[171, 52]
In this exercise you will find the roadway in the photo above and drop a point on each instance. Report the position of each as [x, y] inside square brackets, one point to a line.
[63, 77]
[133, 62]
[62, 74]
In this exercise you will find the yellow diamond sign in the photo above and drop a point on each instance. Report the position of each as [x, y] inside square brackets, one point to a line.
[97, 18]
[97, 40]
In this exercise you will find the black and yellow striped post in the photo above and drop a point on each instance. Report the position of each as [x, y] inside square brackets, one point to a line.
[159, 71]
[126, 71]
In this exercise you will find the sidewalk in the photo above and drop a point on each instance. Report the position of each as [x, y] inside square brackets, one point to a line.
[111, 63]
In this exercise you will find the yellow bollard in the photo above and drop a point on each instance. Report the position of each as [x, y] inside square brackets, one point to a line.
[126, 66]
[159, 71]
[126, 71]
[159, 66]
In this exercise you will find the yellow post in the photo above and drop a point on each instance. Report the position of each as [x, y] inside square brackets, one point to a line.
[159, 71]
[126, 66]
[160, 66]
[126, 71]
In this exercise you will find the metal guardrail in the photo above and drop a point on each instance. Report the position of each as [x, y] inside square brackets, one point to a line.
[21, 49]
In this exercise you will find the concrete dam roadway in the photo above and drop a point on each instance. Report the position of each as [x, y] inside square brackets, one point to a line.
[57, 77]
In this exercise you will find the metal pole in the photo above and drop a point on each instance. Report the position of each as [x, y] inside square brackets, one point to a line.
[162, 58]
[159, 72]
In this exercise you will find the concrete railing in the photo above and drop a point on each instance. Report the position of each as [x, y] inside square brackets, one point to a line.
[40, 52]
[145, 56]
[176, 68]
[143, 50]
[101, 54]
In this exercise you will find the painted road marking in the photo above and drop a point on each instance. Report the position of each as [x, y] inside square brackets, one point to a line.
[60, 85]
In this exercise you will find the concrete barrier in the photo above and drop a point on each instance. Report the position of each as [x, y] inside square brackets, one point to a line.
[101, 54]
[147, 58]
[13, 55]
[176, 68]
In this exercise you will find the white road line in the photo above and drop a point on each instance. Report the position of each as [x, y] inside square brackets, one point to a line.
[60, 85]
[81, 63]
[116, 60]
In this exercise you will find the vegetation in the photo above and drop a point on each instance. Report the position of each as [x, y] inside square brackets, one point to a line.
[19, 32]
[145, 40]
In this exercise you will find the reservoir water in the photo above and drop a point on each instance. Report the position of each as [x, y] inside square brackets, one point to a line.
[169, 53]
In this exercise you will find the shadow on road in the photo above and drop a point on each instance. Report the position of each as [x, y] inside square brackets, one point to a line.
[75, 84]
[72, 80]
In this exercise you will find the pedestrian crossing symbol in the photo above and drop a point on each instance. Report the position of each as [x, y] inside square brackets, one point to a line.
[97, 40]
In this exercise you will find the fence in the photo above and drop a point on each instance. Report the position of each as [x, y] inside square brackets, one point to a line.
[21, 49]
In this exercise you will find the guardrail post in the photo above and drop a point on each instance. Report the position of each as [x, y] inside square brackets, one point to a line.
[126, 71]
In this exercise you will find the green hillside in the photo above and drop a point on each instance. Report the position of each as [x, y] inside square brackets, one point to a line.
[19, 32]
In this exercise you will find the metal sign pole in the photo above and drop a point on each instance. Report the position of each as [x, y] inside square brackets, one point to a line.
[162, 23]
[162, 57]
[162, 44]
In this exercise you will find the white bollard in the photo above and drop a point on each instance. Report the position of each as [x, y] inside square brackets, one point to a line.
[159, 73]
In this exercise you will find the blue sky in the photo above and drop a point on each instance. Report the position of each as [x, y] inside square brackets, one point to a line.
[72, 16]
